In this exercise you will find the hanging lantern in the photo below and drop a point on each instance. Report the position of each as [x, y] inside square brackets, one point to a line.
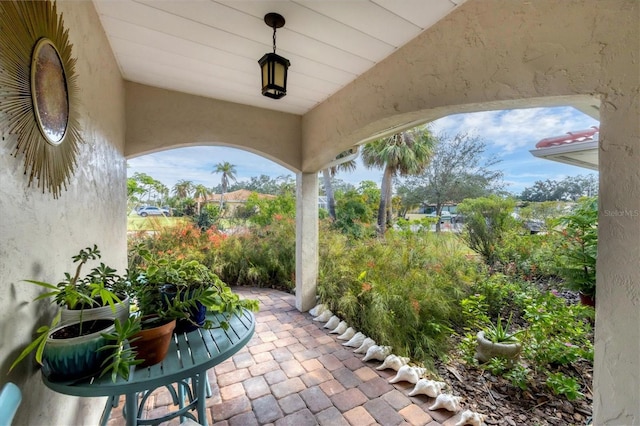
[274, 67]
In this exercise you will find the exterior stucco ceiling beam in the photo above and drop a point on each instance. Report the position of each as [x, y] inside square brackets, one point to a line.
[159, 119]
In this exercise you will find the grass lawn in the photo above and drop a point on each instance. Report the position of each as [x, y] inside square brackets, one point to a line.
[151, 223]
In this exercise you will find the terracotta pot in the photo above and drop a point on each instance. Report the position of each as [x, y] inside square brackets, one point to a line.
[152, 344]
[66, 358]
[587, 299]
[486, 349]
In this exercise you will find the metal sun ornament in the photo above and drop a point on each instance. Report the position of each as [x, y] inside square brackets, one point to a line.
[38, 92]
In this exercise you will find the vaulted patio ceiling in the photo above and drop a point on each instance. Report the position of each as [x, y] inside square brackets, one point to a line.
[211, 48]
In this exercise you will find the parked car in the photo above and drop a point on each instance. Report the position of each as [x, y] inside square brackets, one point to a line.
[153, 211]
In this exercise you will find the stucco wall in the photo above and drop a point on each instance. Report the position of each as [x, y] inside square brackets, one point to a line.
[38, 235]
[616, 378]
[160, 119]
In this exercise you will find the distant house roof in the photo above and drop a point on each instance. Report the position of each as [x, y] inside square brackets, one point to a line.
[239, 196]
[579, 148]
[570, 137]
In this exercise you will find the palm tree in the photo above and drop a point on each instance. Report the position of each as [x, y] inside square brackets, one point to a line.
[402, 154]
[183, 188]
[228, 171]
[200, 191]
[327, 174]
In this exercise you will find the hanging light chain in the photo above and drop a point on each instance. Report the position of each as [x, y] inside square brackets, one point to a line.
[274, 39]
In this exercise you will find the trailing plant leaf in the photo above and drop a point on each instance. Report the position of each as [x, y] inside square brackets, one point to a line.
[122, 356]
[39, 343]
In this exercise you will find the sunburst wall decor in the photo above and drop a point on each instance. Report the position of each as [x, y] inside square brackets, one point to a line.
[38, 92]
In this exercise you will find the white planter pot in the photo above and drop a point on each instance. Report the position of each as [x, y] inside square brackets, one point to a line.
[121, 312]
[486, 349]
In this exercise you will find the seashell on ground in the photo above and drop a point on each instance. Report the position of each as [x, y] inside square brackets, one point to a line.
[332, 323]
[364, 347]
[409, 374]
[377, 352]
[447, 401]
[393, 362]
[324, 316]
[317, 310]
[348, 334]
[427, 387]
[472, 418]
[356, 340]
[341, 328]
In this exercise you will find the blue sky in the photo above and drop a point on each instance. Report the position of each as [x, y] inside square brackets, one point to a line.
[509, 134]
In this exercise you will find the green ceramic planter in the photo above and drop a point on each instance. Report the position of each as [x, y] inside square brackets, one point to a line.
[75, 357]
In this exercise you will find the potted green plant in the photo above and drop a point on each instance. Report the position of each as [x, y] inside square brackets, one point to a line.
[497, 341]
[182, 288]
[157, 320]
[168, 290]
[102, 293]
[71, 349]
[577, 260]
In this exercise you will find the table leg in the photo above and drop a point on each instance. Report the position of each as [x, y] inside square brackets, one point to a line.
[181, 397]
[201, 384]
[209, 393]
[131, 407]
[112, 401]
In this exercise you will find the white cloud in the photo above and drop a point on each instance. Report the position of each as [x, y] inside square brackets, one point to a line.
[516, 129]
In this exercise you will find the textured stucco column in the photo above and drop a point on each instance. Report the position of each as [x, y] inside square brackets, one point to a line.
[306, 240]
[617, 334]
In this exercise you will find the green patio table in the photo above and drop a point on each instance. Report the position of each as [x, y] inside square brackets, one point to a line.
[190, 356]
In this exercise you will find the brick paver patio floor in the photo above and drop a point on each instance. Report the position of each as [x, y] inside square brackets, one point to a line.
[293, 372]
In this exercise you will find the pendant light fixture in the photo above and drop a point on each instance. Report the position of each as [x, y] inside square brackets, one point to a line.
[274, 67]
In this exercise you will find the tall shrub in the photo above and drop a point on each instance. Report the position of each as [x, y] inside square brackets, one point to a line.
[184, 240]
[486, 221]
[402, 291]
[354, 216]
[266, 210]
[263, 256]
